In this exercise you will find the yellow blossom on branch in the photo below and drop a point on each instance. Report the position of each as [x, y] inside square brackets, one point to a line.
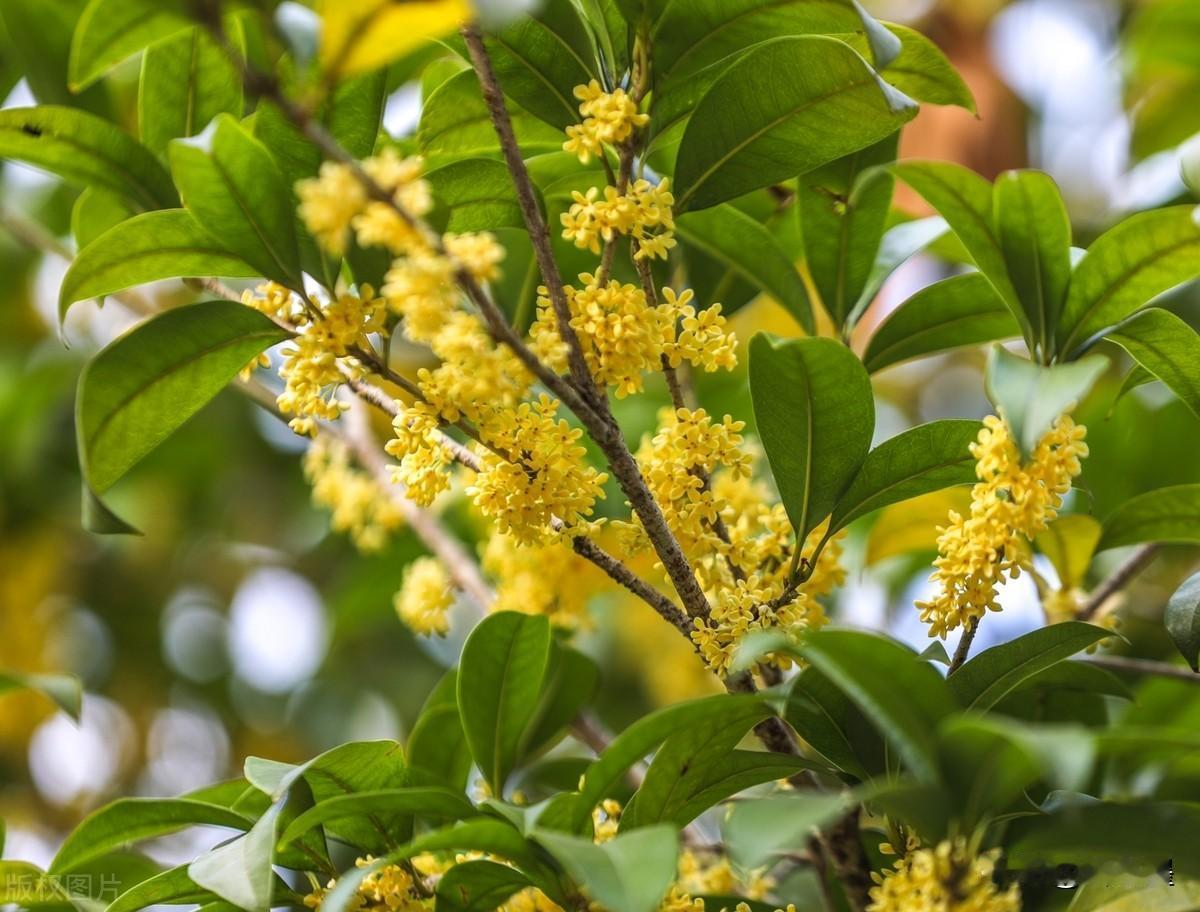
[608, 118]
[425, 597]
[948, 878]
[358, 507]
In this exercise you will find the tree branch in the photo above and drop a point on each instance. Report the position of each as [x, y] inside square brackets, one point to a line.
[1118, 580]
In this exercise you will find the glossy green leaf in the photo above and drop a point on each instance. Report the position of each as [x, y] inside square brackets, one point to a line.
[984, 680]
[94, 212]
[186, 81]
[571, 682]
[437, 745]
[108, 31]
[689, 35]
[455, 124]
[921, 71]
[1034, 232]
[631, 872]
[172, 886]
[905, 705]
[85, 150]
[478, 194]
[240, 871]
[40, 55]
[132, 819]
[984, 768]
[632, 745]
[958, 311]
[28, 886]
[842, 237]
[1168, 515]
[428, 803]
[759, 829]
[65, 690]
[785, 107]
[815, 415]
[500, 677]
[1125, 269]
[164, 244]
[1168, 348]
[898, 245]
[478, 886]
[1031, 397]
[232, 185]
[139, 389]
[926, 458]
[1084, 833]
[749, 250]
[540, 59]
[1182, 620]
[1069, 542]
[1072, 675]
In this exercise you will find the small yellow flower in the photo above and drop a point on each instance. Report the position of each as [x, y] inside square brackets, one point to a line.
[425, 597]
[947, 878]
[358, 507]
[608, 118]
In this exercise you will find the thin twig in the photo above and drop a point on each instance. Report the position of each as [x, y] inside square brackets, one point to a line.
[1144, 667]
[964, 645]
[1118, 580]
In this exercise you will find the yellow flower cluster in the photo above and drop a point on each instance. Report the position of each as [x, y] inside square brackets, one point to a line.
[390, 889]
[623, 338]
[424, 462]
[357, 505]
[544, 474]
[948, 878]
[642, 212]
[317, 355]
[549, 579]
[1011, 503]
[425, 597]
[608, 117]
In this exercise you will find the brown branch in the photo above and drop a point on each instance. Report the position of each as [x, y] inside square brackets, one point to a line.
[1118, 580]
[1144, 667]
[964, 645]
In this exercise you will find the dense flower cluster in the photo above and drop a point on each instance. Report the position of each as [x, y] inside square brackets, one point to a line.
[390, 889]
[946, 878]
[1011, 503]
[417, 443]
[608, 118]
[357, 505]
[425, 597]
[549, 579]
[642, 212]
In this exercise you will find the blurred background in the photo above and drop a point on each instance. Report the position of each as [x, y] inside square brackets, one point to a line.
[239, 624]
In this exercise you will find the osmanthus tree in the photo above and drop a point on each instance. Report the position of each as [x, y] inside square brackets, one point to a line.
[585, 183]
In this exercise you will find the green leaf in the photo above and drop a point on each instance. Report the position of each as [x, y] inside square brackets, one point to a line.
[906, 704]
[503, 666]
[922, 459]
[231, 184]
[28, 886]
[1034, 231]
[1031, 397]
[815, 415]
[164, 244]
[1097, 832]
[899, 243]
[172, 886]
[823, 716]
[139, 389]
[1166, 347]
[94, 212]
[98, 519]
[1069, 542]
[478, 886]
[479, 194]
[841, 238]
[760, 829]
[1081, 677]
[186, 81]
[1182, 620]
[643, 736]
[961, 310]
[40, 54]
[1168, 515]
[746, 248]
[571, 682]
[988, 677]
[786, 106]
[539, 60]
[111, 30]
[85, 150]
[240, 870]
[1124, 269]
[689, 35]
[1117, 891]
[631, 872]
[984, 767]
[65, 690]
[921, 71]
[428, 803]
[455, 123]
[132, 819]
[437, 745]
[685, 766]
[964, 200]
